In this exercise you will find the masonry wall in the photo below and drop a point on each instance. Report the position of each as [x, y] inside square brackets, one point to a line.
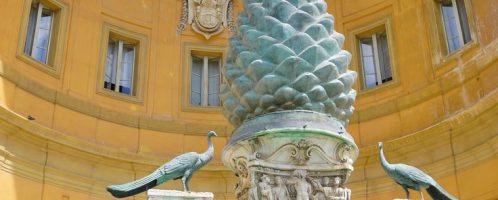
[439, 115]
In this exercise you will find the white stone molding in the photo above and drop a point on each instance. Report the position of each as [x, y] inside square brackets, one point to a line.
[155, 194]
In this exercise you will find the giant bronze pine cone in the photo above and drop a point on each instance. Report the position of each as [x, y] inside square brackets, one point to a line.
[286, 55]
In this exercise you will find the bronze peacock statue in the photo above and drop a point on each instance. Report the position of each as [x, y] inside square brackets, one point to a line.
[181, 167]
[412, 178]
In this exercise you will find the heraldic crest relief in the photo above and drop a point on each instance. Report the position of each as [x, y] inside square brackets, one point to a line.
[207, 17]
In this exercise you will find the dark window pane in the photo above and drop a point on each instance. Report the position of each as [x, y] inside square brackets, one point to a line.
[214, 82]
[196, 81]
[111, 64]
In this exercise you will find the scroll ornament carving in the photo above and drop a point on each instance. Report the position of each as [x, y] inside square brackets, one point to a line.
[244, 183]
[301, 152]
[207, 17]
[344, 152]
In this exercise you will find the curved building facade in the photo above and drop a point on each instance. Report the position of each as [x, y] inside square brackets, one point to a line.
[101, 92]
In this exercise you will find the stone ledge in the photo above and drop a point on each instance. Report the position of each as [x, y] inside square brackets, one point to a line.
[154, 194]
[137, 120]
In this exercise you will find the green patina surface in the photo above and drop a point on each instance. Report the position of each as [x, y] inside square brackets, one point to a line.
[291, 124]
[286, 55]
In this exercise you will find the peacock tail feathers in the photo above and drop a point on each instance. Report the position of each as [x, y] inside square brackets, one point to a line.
[437, 192]
[135, 187]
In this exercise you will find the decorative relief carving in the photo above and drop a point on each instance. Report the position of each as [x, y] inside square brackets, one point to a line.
[207, 17]
[344, 152]
[300, 153]
[332, 192]
[301, 186]
[244, 183]
[265, 188]
[295, 185]
[280, 190]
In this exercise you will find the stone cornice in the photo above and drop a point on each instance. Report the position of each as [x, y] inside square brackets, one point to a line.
[32, 131]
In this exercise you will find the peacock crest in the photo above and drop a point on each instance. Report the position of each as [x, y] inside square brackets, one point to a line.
[285, 55]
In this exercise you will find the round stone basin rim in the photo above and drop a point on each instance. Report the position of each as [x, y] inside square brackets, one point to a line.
[292, 122]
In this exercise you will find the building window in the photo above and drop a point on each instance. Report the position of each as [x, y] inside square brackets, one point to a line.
[43, 34]
[120, 68]
[456, 24]
[40, 25]
[202, 77]
[205, 80]
[375, 59]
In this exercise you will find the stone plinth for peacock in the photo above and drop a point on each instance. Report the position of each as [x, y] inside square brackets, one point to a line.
[288, 92]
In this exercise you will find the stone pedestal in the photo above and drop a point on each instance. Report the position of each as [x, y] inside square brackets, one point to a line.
[291, 155]
[154, 194]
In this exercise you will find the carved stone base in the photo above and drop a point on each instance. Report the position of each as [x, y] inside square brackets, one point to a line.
[154, 194]
[297, 155]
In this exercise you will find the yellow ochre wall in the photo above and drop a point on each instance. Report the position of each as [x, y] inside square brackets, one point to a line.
[439, 114]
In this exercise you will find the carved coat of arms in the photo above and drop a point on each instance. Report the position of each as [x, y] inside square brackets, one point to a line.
[207, 17]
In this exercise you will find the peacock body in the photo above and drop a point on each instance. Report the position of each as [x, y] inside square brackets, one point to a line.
[410, 177]
[180, 167]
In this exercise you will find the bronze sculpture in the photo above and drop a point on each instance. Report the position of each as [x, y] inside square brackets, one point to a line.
[181, 167]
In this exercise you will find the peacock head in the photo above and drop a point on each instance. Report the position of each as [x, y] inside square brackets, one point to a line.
[380, 145]
[211, 134]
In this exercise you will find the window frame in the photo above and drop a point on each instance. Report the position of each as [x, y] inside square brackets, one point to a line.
[204, 50]
[119, 64]
[36, 32]
[204, 90]
[380, 24]
[140, 63]
[442, 59]
[460, 30]
[57, 41]
[376, 59]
